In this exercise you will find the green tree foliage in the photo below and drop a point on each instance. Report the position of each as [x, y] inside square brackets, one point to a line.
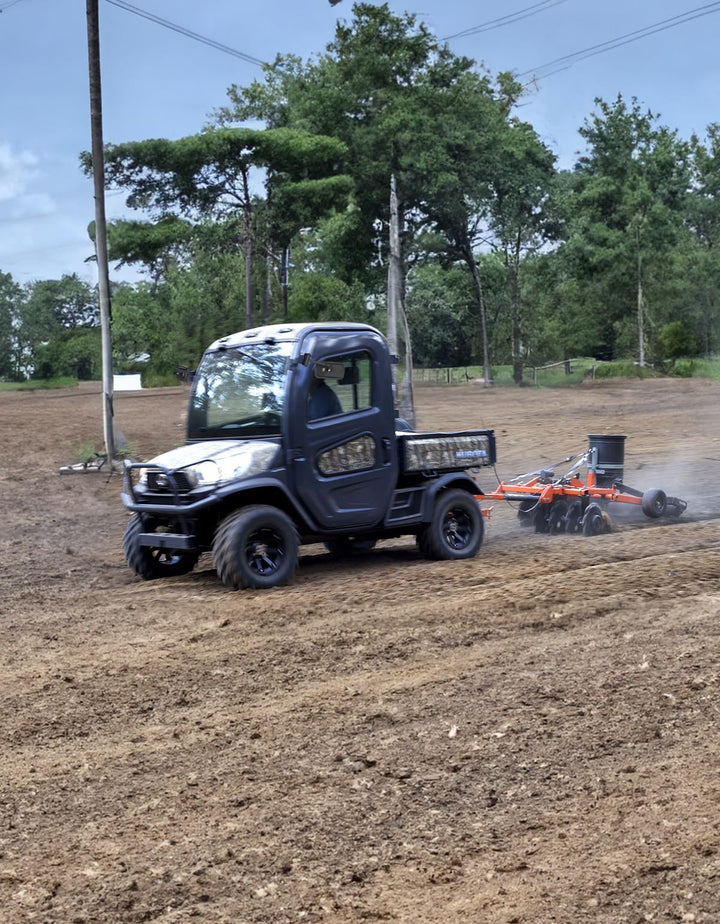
[410, 109]
[367, 89]
[60, 304]
[12, 299]
[442, 311]
[174, 321]
[471, 123]
[506, 259]
[210, 177]
[319, 297]
[623, 205]
[72, 353]
[58, 332]
[157, 246]
[521, 218]
[439, 306]
[676, 340]
[699, 259]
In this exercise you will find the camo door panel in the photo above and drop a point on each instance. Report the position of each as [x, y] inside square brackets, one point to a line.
[354, 456]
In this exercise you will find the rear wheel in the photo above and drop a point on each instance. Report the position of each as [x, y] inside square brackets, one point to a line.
[256, 547]
[456, 529]
[149, 563]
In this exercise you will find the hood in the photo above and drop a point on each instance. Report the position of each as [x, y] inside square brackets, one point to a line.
[216, 462]
[208, 451]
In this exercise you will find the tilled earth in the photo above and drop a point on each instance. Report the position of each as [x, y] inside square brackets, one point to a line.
[531, 736]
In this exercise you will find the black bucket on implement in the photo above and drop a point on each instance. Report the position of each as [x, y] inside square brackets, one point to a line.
[610, 459]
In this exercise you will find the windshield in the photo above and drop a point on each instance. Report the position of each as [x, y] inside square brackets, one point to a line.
[239, 392]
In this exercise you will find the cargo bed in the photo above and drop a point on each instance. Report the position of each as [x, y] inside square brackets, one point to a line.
[446, 452]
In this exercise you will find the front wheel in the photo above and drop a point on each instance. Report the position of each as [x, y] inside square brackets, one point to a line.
[149, 563]
[456, 529]
[256, 547]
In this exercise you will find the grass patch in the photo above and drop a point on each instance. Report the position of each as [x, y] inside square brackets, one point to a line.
[581, 369]
[158, 379]
[701, 368]
[87, 452]
[36, 384]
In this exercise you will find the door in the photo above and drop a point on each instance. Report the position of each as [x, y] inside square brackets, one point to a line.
[344, 452]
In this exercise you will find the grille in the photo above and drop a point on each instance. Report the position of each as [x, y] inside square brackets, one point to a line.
[159, 481]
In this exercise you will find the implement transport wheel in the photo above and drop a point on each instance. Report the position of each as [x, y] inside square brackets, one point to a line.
[654, 503]
[456, 528]
[256, 547]
[149, 563]
[594, 522]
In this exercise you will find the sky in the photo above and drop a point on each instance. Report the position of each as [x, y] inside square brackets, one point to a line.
[159, 82]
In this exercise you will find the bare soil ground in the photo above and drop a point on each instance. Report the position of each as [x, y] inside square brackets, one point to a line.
[532, 736]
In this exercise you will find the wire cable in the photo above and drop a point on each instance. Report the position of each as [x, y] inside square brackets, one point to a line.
[6, 6]
[121, 4]
[507, 20]
[566, 61]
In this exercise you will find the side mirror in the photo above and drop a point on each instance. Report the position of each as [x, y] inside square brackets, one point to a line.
[329, 370]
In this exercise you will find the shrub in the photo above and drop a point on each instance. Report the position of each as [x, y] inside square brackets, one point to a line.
[675, 341]
[684, 368]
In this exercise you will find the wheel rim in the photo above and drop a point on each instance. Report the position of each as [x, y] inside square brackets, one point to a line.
[458, 528]
[165, 559]
[264, 551]
[658, 505]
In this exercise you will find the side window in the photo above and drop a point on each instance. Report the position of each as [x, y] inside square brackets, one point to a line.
[351, 392]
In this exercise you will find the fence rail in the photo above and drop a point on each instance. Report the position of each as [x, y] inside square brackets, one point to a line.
[577, 367]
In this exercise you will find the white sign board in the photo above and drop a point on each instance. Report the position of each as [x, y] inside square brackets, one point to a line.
[127, 382]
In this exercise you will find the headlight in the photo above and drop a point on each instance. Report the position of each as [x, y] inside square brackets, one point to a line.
[250, 460]
[203, 475]
[144, 477]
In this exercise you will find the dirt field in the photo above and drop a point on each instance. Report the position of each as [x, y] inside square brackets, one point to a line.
[532, 736]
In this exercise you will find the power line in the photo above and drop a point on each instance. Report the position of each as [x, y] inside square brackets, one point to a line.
[507, 20]
[187, 32]
[566, 61]
[6, 6]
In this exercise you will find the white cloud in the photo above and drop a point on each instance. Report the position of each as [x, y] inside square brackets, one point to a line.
[17, 169]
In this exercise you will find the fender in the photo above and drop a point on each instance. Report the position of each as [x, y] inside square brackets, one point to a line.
[451, 480]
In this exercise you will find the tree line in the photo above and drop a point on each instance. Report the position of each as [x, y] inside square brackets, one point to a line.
[280, 209]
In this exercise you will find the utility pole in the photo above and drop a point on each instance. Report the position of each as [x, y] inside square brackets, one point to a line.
[96, 128]
[396, 311]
